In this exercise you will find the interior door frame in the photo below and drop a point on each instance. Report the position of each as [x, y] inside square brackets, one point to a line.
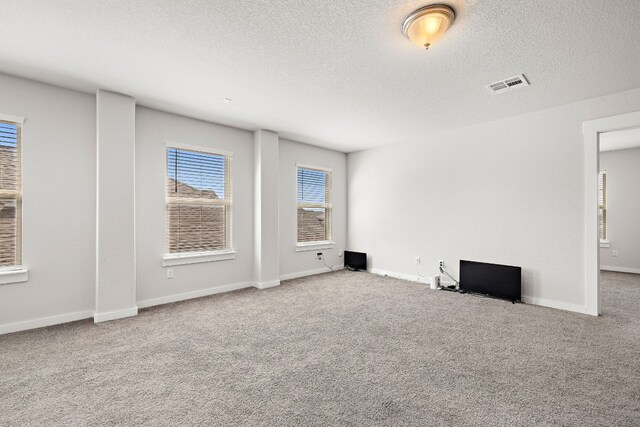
[591, 130]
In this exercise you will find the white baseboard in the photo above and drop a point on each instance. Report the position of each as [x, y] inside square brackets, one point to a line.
[620, 269]
[193, 294]
[526, 299]
[266, 285]
[402, 276]
[113, 315]
[309, 273]
[45, 321]
[558, 305]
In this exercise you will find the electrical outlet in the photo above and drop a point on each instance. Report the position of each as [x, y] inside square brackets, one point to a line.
[417, 260]
[319, 254]
[615, 252]
[170, 273]
[441, 263]
[340, 254]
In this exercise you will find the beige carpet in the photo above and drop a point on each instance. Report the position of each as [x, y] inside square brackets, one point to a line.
[342, 349]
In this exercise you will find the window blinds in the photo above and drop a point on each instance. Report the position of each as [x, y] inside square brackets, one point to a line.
[10, 194]
[602, 205]
[198, 191]
[314, 205]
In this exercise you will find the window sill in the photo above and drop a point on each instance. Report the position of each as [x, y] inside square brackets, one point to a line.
[14, 275]
[197, 257]
[301, 247]
[605, 244]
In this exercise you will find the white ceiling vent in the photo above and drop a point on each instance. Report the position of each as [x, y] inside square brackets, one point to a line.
[508, 84]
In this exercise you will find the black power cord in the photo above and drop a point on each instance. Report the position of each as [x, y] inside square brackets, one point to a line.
[456, 287]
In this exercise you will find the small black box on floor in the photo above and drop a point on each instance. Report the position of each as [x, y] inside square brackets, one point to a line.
[356, 261]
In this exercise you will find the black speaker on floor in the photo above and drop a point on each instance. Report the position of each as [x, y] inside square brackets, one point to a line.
[355, 260]
[500, 281]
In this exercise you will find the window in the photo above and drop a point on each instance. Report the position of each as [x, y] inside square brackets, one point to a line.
[314, 205]
[602, 205]
[198, 199]
[10, 194]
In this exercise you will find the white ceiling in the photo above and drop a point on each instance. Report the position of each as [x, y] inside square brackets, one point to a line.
[336, 73]
[620, 139]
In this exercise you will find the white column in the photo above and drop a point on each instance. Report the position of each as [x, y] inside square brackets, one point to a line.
[266, 247]
[115, 222]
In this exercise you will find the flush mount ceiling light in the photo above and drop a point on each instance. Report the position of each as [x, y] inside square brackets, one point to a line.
[428, 24]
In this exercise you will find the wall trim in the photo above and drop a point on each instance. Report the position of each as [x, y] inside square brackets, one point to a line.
[401, 276]
[45, 321]
[620, 269]
[304, 247]
[193, 294]
[266, 285]
[15, 119]
[525, 298]
[197, 257]
[14, 276]
[113, 315]
[558, 305]
[313, 272]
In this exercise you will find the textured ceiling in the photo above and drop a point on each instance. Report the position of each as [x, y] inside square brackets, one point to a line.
[620, 139]
[338, 74]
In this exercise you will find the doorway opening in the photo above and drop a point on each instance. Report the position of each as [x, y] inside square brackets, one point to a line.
[606, 132]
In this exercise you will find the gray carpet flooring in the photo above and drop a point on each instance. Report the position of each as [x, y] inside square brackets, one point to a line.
[339, 349]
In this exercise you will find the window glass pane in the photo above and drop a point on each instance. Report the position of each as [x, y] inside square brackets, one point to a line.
[312, 224]
[196, 228]
[198, 201]
[8, 232]
[196, 174]
[8, 156]
[10, 188]
[314, 205]
[602, 203]
[312, 186]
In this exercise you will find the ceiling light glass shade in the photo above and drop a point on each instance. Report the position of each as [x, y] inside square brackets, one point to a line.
[427, 25]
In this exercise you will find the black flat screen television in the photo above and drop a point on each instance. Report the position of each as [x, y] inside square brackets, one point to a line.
[500, 281]
[355, 260]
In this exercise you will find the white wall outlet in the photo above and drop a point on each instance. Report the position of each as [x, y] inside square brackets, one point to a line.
[441, 263]
[340, 254]
[417, 260]
[170, 273]
[319, 254]
[615, 252]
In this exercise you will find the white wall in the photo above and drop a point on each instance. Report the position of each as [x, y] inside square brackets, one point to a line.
[476, 193]
[508, 191]
[294, 263]
[59, 204]
[623, 209]
[59, 180]
[153, 130]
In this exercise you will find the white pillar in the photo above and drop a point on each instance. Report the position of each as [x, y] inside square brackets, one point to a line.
[266, 227]
[115, 222]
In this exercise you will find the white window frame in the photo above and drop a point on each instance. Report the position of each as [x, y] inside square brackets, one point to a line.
[19, 272]
[320, 244]
[182, 258]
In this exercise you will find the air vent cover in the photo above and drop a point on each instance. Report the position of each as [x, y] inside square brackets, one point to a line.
[507, 84]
